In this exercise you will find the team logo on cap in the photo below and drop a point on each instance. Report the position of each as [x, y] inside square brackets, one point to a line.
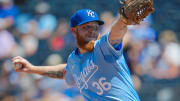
[90, 13]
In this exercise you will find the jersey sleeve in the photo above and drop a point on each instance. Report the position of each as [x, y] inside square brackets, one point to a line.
[68, 77]
[108, 49]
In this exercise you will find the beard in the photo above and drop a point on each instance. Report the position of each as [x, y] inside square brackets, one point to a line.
[86, 44]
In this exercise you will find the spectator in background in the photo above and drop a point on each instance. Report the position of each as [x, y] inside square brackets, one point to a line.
[29, 44]
[144, 31]
[139, 39]
[57, 40]
[167, 66]
[23, 25]
[43, 23]
[8, 13]
[108, 18]
[7, 44]
[38, 29]
[62, 41]
[152, 60]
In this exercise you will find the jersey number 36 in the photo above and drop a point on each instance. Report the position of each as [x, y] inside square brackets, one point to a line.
[102, 85]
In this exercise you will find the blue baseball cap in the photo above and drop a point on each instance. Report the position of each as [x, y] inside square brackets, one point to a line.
[83, 16]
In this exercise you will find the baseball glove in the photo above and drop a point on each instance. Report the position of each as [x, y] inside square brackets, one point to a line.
[134, 11]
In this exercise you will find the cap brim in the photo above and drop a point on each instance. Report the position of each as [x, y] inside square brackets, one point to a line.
[100, 22]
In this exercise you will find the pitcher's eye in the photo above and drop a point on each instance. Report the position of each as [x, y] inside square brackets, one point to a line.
[85, 27]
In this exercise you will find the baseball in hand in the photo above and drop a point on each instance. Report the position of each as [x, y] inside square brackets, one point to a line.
[18, 66]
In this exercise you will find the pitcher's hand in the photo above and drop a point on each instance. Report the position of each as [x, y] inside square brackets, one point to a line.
[22, 65]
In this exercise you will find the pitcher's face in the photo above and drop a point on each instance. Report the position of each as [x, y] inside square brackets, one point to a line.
[88, 31]
[87, 34]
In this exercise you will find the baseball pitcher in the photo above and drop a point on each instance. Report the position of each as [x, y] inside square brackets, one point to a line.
[97, 67]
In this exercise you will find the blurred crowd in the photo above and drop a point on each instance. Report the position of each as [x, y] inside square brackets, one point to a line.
[45, 39]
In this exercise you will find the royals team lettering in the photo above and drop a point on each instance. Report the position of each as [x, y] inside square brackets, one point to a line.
[85, 76]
